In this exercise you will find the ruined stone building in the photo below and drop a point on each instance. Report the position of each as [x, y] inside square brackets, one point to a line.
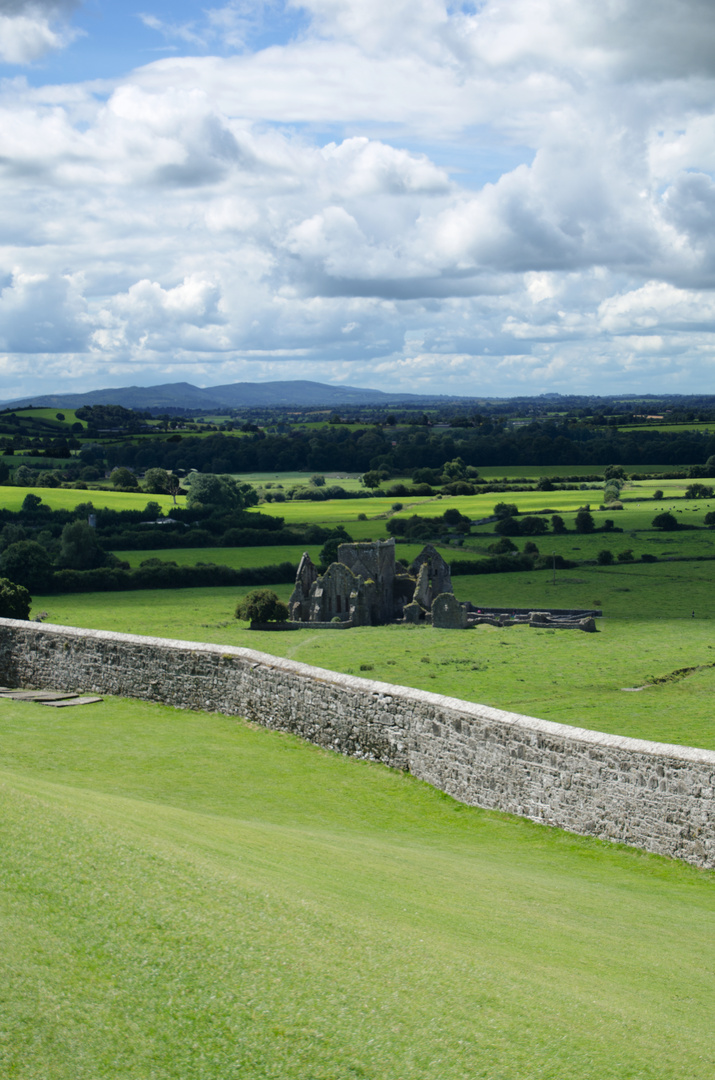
[366, 586]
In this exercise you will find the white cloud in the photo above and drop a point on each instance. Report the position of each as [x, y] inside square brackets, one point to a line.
[296, 205]
[29, 29]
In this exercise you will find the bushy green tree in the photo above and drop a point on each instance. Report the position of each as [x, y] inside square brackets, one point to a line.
[558, 524]
[261, 605]
[502, 546]
[156, 482]
[220, 492]
[14, 600]
[531, 525]
[371, 479]
[27, 564]
[666, 521]
[123, 478]
[585, 522]
[503, 510]
[604, 557]
[79, 548]
[698, 491]
[658, 494]
[508, 526]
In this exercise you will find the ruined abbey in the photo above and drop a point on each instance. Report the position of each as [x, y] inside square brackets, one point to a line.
[367, 587]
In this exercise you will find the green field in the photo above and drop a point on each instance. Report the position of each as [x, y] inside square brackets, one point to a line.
[185, 895]
[70, 417]
[583, 679]
[11, 498]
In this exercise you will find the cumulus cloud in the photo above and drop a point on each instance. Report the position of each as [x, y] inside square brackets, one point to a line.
[233, 214]
[31, 28]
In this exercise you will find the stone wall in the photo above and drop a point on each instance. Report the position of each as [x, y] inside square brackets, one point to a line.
[651, 795]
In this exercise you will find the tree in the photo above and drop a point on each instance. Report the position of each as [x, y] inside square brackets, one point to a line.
[558, 524]
[530, 525]
[372, 479]
[545, 484]
[503, 510]
[658, 494]
[123, 478]
[614, 472]
[14, 600]
[698, 491]
[502, 547]
[585, 522]
[626, 556]
[261, 605]
[24, 477]
[317, 480]
[665, 521]
[220, 491]
[156, 482]
[604, 557]
[31, 503]
[508, 526]
[27, 564]
[79, 548]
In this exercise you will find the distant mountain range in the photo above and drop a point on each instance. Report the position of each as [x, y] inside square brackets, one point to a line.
[238, 395]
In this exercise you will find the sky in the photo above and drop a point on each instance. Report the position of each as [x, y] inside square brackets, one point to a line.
[494, 197]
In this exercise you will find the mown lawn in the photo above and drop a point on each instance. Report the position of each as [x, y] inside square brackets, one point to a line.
[187, 896]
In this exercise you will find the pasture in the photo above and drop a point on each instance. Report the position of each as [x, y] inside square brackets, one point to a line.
[620, 680]
[11, 498]
[225, 902]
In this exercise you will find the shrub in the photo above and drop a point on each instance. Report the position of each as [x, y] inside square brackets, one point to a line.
[508, 526]
[530, 525]
[658, 494]
[648, 558]
[502, 547]
[665, 521]
[505, 510]
[605, 557]
[625, 556]
[530, 548]
[14, 600]
[261, 605]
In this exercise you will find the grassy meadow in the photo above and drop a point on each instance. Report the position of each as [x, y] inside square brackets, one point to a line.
[620, 680]
[11, 498]
[223, 902]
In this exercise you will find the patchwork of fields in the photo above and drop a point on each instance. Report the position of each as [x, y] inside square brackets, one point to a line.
[185, 895]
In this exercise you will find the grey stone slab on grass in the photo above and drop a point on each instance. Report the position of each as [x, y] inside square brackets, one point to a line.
[72, 701]
[36, 695]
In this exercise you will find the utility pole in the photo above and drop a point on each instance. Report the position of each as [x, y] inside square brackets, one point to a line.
[554, 560]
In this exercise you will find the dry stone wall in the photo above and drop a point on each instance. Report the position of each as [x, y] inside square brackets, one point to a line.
[651, 795]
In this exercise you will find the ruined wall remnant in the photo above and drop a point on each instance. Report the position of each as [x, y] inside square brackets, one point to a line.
[365, 582]
[448, 613]
[657, 797]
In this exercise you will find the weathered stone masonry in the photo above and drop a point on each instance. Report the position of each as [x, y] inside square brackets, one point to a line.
[651, 795]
